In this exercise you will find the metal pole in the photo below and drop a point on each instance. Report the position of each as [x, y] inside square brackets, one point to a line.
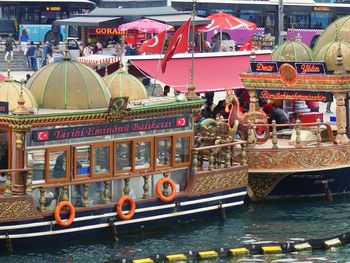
[193, 39]
[280, 21]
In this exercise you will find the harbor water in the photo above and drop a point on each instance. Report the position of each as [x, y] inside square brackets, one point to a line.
[265, 221]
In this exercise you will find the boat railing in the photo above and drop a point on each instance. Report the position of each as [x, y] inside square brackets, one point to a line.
[8, 187]
[314, 127]
[217, 156]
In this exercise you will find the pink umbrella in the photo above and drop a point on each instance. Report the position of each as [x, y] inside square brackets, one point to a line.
[146, 25]
[2, 77]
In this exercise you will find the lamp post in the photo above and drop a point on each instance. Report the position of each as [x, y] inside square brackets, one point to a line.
[280, 21]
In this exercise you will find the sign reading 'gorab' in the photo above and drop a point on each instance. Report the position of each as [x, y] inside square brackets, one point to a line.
[300, 67]
[110, 128]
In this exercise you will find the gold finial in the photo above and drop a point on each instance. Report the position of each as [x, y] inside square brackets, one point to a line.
[292, 32]
[21, 109]
[66, 55]
[252, 58]
[339, 67]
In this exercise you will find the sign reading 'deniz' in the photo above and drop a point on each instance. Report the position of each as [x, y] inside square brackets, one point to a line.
[4, 107]
[264, 67]
[110, 128]
[301, 67]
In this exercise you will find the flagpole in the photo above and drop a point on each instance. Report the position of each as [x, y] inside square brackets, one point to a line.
[160, 58]
[191, 94]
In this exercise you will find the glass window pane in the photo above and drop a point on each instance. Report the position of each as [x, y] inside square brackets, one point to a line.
[36, 160]
[123, 153]
[182, 150]
[143, 155]
[101, 159]
[58, 165]
[82, 160]
[164, 152]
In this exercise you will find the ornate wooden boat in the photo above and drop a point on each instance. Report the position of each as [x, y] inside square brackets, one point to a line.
[288, 164]
[77, 162]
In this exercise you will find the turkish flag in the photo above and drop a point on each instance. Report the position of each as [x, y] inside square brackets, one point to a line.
[247, 46]
[178, 44]
[154, 44]
[180, 122]
[43, 136]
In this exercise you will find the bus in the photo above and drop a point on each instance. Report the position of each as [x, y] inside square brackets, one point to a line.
[306, 18]
[36, 16]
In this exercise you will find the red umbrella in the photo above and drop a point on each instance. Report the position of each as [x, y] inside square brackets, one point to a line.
[146, 25]
[225, 21]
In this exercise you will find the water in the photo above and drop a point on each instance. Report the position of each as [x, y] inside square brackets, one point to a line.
[267, 221]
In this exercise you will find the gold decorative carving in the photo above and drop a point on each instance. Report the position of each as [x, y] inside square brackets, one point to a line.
[225, 180]
[260, 185]
[12, 209]
[307, 158]
[341, 118]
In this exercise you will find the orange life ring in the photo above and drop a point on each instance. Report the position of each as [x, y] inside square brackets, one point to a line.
[121, 201]
[159, 191]
[57, 212]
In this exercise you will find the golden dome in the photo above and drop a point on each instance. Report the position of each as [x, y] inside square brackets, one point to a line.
[122, 84]
[293, 50]
[10, 91]
[68, 84]
[342, 25]
[328, 54]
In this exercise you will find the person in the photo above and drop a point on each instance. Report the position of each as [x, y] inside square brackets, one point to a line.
[328, 107]
[9, 43]
[313, 105]
[166, 90]
[24, 38]
[56, 30]
[215, 44]
[56, 56]
[30, 56]
[38, 56]
[47, 50]
[280, 116]
[127, 49]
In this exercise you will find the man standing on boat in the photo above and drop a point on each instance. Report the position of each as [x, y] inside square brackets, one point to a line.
[280, 116]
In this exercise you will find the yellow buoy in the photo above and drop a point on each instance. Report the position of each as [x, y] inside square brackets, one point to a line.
[208, 254]
[176, 258]
[143, 260]
[271, 249]
[239, 251]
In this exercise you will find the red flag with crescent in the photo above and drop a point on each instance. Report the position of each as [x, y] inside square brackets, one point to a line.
[178, 44]
[154, 44]
[247, 46]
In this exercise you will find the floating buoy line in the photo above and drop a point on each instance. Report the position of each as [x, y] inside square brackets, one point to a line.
[246, 250]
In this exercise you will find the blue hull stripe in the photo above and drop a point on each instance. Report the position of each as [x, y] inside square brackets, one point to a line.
[144, 214]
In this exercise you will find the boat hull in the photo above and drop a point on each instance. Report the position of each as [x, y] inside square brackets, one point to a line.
[149, 214]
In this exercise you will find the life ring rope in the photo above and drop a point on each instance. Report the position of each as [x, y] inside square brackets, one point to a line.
[57, 212]
[121, 201]
[159, 189]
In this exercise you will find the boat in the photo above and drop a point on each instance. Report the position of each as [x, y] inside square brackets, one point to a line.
[311, 157]
[80, 159]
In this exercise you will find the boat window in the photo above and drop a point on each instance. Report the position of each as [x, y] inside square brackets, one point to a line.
[4, 150]
[82, 161]
[180, 179]
[182, 150]
[36, 160]
[102, 155]
[143, 155]
[163, 151]
[58, 164]
[123, 156]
